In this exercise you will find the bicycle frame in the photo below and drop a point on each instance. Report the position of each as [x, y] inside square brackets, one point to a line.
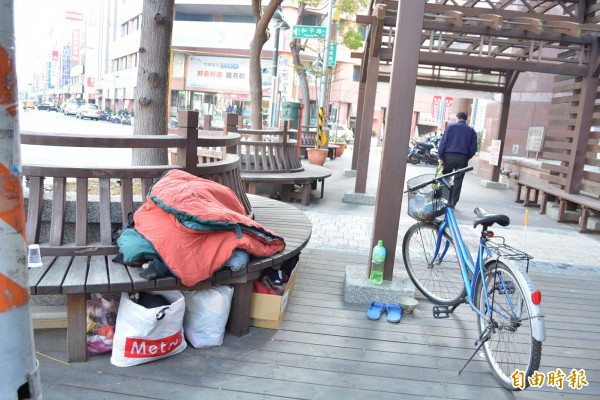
[464, 259]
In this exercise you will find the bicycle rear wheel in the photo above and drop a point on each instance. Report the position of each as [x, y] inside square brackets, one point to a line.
[440, 280]
[511, 344]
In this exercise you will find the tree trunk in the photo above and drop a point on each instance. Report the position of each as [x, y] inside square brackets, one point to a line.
[17, 359]
[256, 79]
[303, 80]
[152, 89]
[262, 19]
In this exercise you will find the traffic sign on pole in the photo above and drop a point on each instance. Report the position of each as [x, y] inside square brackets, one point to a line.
[308, 32]
[332, 54]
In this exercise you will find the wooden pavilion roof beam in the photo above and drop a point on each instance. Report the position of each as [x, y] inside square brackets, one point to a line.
[457, 60]
[473, 11]
[503, 48]
[521, 28]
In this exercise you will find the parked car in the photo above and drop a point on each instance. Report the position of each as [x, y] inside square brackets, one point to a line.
[72, 105]
[30, 104]
[48, 106]
[90, 111]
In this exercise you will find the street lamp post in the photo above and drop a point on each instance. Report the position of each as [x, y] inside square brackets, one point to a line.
[279, 24]
[321, 138]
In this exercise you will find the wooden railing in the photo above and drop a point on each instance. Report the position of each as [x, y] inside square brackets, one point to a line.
[195, 152]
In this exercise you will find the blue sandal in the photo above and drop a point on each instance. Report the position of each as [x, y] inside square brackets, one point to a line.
[394, 313]
[375, 310]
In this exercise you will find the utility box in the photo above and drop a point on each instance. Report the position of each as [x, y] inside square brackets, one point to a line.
[290, 111]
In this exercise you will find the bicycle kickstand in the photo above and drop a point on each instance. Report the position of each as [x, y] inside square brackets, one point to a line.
[485, 336]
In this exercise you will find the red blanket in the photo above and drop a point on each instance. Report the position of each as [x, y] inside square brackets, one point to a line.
[195, 224]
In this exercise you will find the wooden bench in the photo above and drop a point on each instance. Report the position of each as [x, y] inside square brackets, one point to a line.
[271, 156]
[77, 254]
[553, 193]
[294, 185]
[308, 141]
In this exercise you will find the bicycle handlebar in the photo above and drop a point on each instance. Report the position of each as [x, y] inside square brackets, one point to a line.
[439, 178]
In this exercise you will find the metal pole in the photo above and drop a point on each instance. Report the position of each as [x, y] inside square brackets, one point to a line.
[274, 81]
[321, 137]
[324, 79]
[19, 377]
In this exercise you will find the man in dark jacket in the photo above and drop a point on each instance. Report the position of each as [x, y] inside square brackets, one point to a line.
[457, 147]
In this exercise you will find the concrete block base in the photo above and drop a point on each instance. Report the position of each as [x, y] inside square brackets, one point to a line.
[494, 185]
[570, 216]
[359, 198]
[350, 172]
[593, 224]
[358, 289]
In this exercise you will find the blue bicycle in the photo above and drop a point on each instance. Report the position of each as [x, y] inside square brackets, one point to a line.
[496, 286]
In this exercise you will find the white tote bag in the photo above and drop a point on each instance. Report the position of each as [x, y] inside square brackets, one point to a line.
[147, 334]
[206, 315]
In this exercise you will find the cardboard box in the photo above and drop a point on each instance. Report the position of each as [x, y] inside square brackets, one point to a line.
[268, 310]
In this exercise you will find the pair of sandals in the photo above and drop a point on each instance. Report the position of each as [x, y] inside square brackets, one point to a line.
[394, 312]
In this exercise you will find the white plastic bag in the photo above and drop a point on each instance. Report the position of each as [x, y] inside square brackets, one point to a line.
[206, 315]
[147, 334]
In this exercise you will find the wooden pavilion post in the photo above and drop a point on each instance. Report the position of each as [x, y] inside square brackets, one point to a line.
[405, 62]
[360, 107]
[357, 134]
[583, 124]
[506, 96]
[366, 123]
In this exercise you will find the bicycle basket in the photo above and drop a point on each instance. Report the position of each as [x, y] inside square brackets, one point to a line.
[427, 203]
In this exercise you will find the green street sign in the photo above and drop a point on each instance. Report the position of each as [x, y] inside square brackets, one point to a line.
[331, 57]
[308, 32]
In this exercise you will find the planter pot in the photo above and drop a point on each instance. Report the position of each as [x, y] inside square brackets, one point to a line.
[340, 150]
[316, 156]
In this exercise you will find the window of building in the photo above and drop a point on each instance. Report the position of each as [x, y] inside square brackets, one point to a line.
[136, 23]
[238, 18]
[115, 65]
[178, 65]
[124, 29]
[181, 16]
[362, 29]
[135, 59]
[356, 73]
[311, 19]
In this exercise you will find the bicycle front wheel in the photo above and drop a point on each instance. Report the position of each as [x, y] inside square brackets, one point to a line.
[511, 344]
[438, 277]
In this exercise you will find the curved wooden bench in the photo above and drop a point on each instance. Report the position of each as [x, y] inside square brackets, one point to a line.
[74, 227]
[306, 180]
[271, 156]
[273, 151]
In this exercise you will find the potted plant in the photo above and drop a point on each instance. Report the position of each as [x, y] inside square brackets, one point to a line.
[341, 140]
[317, 155]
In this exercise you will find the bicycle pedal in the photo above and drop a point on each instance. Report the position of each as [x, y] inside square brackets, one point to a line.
[441, 312]
[510, 287]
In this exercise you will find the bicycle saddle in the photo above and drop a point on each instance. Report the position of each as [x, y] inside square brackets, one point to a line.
[487, 219]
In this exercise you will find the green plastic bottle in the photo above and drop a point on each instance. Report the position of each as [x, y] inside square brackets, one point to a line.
[377, 261]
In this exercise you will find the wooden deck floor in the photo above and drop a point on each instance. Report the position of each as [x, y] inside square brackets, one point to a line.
[327, 349]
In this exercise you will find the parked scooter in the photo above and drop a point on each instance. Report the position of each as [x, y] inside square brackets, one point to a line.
[424, 151]
[125, 118]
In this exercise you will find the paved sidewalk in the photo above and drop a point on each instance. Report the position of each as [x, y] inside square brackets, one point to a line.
[556, 247]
